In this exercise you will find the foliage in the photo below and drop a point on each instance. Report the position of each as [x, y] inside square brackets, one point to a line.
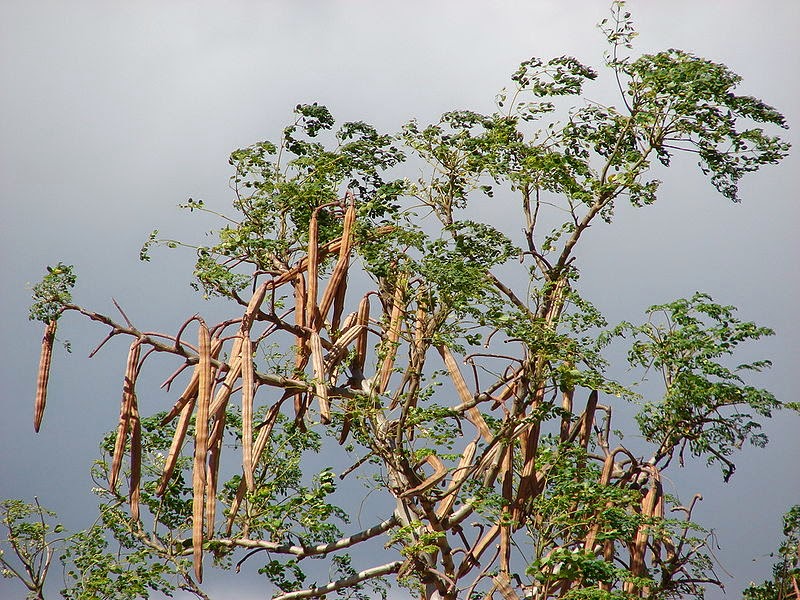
[686, 348]
[95, 572]
[785, 583]
[468, 390]
[29, 535]
[52, 293]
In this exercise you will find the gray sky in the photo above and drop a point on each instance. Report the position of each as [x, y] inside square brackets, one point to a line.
[113, 113]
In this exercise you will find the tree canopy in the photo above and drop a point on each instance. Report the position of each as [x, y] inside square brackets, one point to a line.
[384, 345]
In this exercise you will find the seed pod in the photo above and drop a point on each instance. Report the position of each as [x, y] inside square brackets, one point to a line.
[45, 359]
[392, 335]
[301, 318]
[419, 328]
[460, 475]
[217, 416]
[338, 280]
[247, 410]
[473, 415]
[258, 450]
[502, 583]
[338, 304]
[320, 385]
[126, 409]
[312, 310]
[357, 364]
[339, 349]
[136, 460]
[212, 470]
[190, 393]
[175, 447]
[234, 371]
[200, 447]
[254, 305]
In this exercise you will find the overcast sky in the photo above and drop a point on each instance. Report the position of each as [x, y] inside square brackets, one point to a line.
[112, 113]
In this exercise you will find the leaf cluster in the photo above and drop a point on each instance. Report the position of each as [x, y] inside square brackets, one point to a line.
[707, 407]
[52, 293]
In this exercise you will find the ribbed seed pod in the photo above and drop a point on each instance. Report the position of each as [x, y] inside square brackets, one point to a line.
[258, 448]
[392, 335]
[320, 384]
[126, 409]
[177, 444]
[45, 360]
[338, 279]
[474, 415]
[312, 311]
[190, 393]
[201, 447]
[136, 460]
[247, 410]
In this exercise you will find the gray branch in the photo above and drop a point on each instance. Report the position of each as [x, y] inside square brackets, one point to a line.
[302, 551]
[317, 592]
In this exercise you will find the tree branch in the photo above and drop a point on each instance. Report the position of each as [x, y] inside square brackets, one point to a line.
[507, 291]
[191, 358]
[316, 592]
[301, 551]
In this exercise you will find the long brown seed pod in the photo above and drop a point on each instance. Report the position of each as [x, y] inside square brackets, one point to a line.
[45, 359]
[324, 250]
[338, 304]
[529, 479]
[508, 497]
[639, 547]
[357, 364]
[346, 423]
[212, 470]
[301, 344]
[125, 412]
[247, 410]
[338, 276]
[320, 385]
[190, 393]
[301, 319]
[217, 414]
[503, 585]
[566, 403]
[439, 473]
[339, 349]
[460, 475]
[246, 364]
[361, 321]
[224, 392]
[201, 447]
[136, 459]
[258, 448]
[605, 479]
[254, 305]
[473, 415]
[588, 419]
[313, 271]
[419, 328]
[393, 335]
[175, 447]
[213, 436]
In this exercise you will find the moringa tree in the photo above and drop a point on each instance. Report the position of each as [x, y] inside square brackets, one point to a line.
[382, 344]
